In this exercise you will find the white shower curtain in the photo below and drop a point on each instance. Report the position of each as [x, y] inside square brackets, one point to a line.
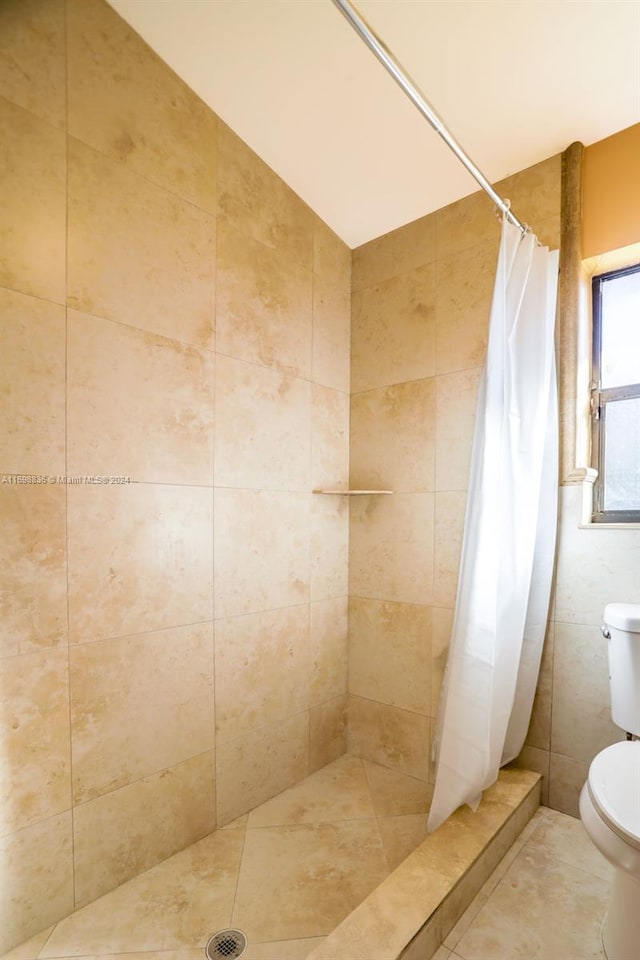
[509, 534]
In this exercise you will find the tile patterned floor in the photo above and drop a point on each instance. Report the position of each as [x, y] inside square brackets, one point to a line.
[287, 873]
[545, 900]
[292, 869]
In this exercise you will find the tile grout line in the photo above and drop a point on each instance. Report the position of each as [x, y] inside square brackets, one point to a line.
[310, 503]
[237, 885]
[66, 460]
[215, 372]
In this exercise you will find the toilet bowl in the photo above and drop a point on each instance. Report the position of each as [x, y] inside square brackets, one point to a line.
[610, 812]
[610, 798]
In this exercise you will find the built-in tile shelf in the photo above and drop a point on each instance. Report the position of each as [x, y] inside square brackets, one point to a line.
[354, 493]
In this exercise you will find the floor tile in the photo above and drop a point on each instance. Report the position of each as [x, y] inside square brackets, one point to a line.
[337, 792]
[282, 949]
[474, 908]
[442, 954]
[290, 871]
[565, 838]
[396, 794]
[299, 881]
[401, 836]
[187, 953]
[541, 908]
[240, 823]
[178, 903]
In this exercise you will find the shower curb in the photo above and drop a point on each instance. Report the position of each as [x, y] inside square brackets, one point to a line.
[409, 915]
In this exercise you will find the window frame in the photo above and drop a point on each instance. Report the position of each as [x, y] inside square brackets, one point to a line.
[600, 398]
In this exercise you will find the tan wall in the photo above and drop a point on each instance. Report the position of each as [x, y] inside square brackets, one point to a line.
[611, 193]
[171, 312]
[421, 298]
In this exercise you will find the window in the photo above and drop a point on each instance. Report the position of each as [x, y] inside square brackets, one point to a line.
[615, 402]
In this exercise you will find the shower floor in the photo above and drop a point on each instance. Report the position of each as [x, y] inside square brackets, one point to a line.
[286, 873]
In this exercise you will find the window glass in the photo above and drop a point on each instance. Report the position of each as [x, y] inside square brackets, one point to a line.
[616, 395]
[622, 455]
[620, 330]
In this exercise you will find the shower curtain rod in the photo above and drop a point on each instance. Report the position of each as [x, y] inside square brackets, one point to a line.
[402, 78]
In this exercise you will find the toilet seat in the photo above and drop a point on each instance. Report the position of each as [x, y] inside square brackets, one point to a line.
[614, 788]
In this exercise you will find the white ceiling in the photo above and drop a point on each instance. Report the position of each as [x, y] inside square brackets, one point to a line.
[515, 80]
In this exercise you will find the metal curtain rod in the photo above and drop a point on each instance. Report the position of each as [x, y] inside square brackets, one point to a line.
[402, 78]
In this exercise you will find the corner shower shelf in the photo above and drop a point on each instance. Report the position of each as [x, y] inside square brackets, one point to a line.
[354, 493]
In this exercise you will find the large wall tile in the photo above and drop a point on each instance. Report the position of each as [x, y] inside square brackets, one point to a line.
[137, 253]
[465, 223]
[261, 543]
[139, 704]
[534, 192]
[32, 369]
[263, 304]
[331, 258]
[114, 369]
[531, 758]
[403, 249]
[262, 427]
[124, 102]
[456, 401]
[327, 732]
[539, 733]
[140, 558]
[391, 547]
[33, 169]
[329, 522]
[125, 832]
[329, 438]
[594, 567]
[450, 509]
[331, 360]
[328, 650]
[390, 653]
[33, 556]
[581, 723]
[331, 308]
[261, 764]
[442, 625]
[258, 203]
[32, 51]
[393, 330]
[465, 286]
[393, 437]
[261, 670]
[36, 866]
[36, 755]
[391, 737]
[566, 779]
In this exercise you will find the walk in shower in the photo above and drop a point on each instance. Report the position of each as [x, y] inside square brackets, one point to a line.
[207, 666]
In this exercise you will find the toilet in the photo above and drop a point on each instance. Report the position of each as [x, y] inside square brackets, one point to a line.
[610, 798]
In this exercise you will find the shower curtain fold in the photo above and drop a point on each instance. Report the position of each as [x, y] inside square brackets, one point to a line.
[509, 534]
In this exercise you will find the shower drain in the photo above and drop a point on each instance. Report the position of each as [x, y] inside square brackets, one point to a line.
[226, 943]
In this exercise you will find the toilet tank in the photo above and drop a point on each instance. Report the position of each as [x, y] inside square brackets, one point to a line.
[622, 623]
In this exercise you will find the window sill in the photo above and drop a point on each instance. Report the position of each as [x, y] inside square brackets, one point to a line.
[608, 526]
[586, 477]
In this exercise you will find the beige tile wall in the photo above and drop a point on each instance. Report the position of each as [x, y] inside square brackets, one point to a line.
[421, 299]
[408, 422]
[174, 649]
